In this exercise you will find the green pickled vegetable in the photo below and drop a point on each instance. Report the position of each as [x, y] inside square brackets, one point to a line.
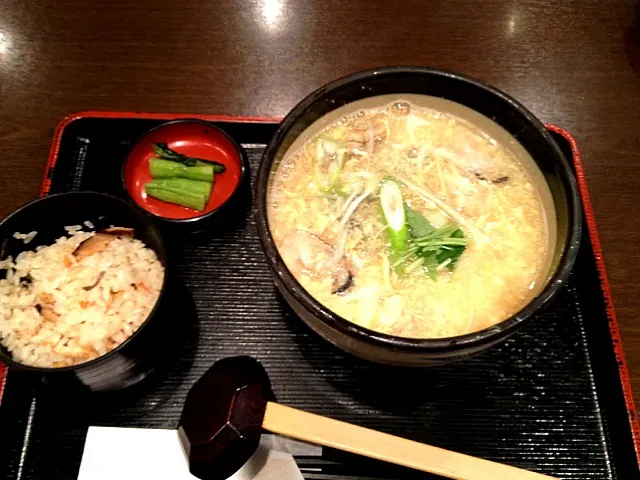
[167, 169]
[186, 199]
[394, 215]
[179, 185]
[165, 153]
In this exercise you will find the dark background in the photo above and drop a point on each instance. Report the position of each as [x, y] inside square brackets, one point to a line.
[573, 63]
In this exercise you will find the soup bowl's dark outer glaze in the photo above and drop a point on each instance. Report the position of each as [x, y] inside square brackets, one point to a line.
[138, 356]
[492, 103]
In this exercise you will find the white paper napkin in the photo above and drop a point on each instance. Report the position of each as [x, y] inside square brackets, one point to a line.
[137, 453]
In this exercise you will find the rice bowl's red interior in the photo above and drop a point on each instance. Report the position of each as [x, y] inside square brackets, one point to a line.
[195, 139]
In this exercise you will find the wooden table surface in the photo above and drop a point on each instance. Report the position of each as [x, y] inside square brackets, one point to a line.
[574, 63]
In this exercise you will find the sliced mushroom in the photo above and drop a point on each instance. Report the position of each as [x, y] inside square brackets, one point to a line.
[100, 240]
[95, 284]
[112, 298]
[500, 179]
[117, 293]
[305, 251]
[93, 245]
[46, 299]
[497, 180]
[119, 231]
[341, 281]
[49, 314]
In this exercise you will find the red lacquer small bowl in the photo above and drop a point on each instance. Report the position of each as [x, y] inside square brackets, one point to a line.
[194, 138]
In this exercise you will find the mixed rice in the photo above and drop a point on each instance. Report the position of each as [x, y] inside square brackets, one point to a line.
[77, 299]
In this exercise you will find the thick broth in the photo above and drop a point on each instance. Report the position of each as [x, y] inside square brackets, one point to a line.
[454, 166]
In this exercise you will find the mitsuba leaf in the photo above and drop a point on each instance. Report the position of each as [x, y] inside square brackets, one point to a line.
[418, 225]
[452, 252]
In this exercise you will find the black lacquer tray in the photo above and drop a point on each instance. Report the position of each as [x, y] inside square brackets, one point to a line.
[554, 398]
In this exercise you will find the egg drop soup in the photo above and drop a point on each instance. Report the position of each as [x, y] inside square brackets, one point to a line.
[413, 216]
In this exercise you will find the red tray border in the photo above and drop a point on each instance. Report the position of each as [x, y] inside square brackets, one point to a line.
[584, 193]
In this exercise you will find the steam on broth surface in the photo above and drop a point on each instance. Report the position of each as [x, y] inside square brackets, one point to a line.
[413, 216]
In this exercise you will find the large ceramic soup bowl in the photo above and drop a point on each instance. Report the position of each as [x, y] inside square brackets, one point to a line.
[413, 216]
